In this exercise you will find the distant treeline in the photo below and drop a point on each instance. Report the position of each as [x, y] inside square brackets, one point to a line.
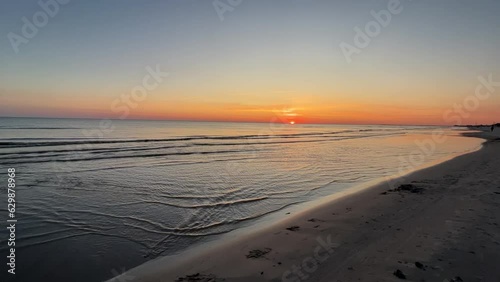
[479, 125]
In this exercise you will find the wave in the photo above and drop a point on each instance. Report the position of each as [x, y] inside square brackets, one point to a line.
[195, 206]
[108, 153]
[94, 150]
[11, 144]
[6, 160]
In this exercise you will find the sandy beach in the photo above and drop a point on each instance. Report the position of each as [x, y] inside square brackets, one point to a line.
[442, 224]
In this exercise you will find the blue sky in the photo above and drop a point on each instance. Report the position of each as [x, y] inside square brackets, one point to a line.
[262, 49]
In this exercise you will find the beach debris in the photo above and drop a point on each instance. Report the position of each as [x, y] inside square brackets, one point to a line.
[314, 220]
[399, 274]
[408, 188]
[198, 278]
[420, 265]
[255, 254]
[293, 228]
[456, 279]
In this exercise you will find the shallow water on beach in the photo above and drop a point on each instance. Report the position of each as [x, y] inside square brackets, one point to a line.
[93, 201]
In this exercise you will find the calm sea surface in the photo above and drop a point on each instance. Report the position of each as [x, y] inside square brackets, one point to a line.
[95, 198]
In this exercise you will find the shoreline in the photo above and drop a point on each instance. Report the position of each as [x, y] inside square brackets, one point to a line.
[356, 237]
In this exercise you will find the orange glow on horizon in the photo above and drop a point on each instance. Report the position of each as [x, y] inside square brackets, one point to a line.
[301, 109]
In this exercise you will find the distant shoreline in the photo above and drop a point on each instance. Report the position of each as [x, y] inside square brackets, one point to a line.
[222, 121]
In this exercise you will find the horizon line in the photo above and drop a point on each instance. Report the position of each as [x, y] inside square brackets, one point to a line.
[224, 121]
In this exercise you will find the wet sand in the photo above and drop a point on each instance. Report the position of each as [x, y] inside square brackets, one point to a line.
[438, 224]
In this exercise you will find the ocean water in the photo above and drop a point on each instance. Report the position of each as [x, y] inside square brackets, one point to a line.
[95, 198]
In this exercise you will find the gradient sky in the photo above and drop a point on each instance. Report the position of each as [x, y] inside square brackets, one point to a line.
[265, 59]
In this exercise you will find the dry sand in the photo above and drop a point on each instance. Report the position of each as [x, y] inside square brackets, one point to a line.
[446, 227]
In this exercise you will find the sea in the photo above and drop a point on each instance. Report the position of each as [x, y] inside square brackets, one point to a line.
[94, 198]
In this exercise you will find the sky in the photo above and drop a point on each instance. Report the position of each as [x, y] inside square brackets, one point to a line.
[252, 60]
